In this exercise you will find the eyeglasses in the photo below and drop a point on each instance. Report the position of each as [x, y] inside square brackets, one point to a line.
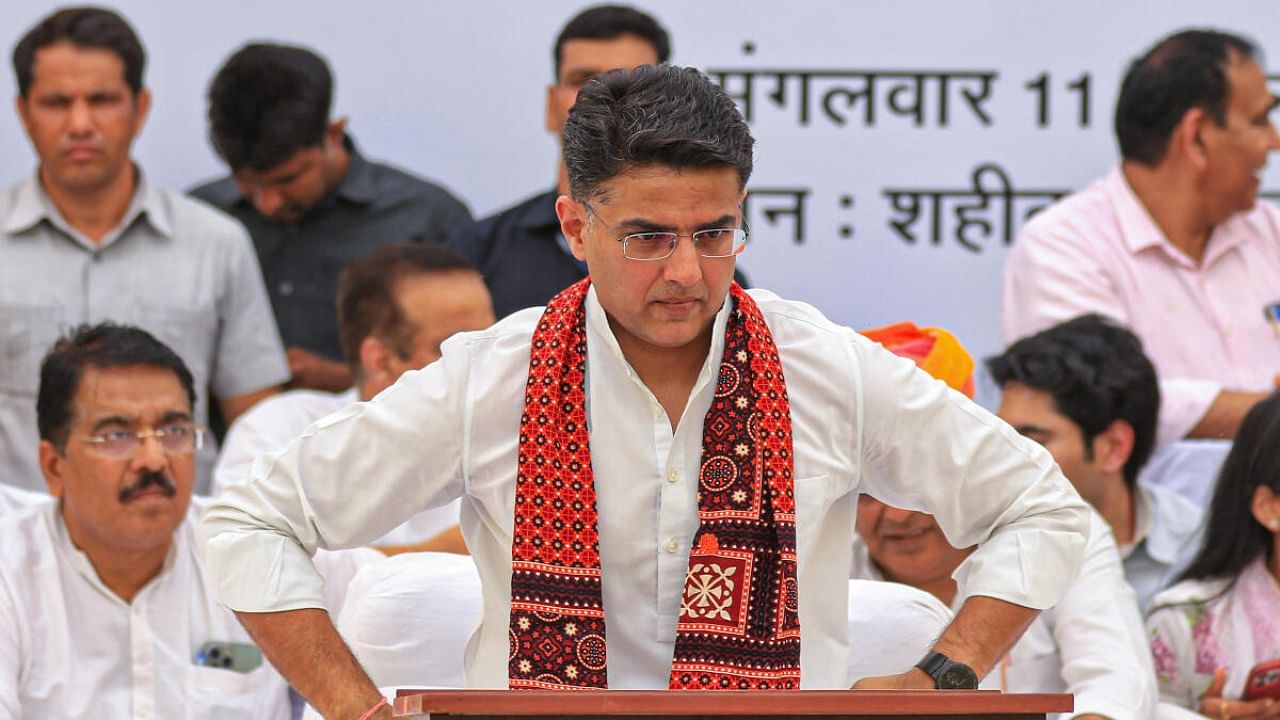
[174, 439]
[710, 243]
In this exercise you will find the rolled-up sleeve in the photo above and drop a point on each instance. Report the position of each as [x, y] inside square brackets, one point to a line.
[350, 478]
[926, 447]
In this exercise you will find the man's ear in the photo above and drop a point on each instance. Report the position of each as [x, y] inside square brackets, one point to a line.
[334, 133]
[143, 102]
[22, 106]
[1113, 446]
[573, 223]
[1188, 138]
[52, 464]
[375, 362]
[552, 119]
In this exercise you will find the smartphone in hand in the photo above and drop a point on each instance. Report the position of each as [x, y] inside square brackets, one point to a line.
[1263, 681]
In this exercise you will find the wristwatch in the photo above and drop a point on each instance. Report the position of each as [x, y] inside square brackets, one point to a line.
[948, 674]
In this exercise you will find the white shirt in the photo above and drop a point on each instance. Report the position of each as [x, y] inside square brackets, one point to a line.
[13, 499]
[409, 617]
[891, 627]
[1090, 644]
[74, 649]
[1188, 467]
[1168, 531]
[862, 418]
[274, 422]
[1202, 323]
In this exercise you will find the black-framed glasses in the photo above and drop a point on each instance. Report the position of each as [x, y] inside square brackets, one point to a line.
[649, 246]
[174, 439]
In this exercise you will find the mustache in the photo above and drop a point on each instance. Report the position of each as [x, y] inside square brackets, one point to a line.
[148, 479]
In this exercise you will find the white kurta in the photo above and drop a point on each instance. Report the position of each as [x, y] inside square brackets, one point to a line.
[74, 649]
[862, 419]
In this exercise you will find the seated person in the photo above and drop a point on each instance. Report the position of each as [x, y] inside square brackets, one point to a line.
[1086, 391]
[1090, 644]
[395, 307]
[1173, 242]
[105, 608]
[1223, 616]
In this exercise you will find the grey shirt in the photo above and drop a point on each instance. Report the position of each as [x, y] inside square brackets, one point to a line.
[175, 267]
[373, 205]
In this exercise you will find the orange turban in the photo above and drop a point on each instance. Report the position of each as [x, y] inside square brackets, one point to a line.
[935, 350]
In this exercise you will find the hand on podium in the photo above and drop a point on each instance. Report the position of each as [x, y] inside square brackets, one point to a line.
[913, 679]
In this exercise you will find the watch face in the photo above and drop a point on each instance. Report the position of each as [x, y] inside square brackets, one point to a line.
[958, 677]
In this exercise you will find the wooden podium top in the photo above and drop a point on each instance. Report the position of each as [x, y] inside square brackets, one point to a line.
[665, 705]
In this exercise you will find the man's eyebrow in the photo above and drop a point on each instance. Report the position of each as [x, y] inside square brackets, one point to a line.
[1031, 430]
[174, 416]
[644, 225]
[111, 420]
[580, 76]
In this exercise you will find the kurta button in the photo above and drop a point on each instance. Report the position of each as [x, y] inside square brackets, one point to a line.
[672, 545]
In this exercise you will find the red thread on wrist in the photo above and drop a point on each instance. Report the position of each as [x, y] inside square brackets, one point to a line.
[382, 702]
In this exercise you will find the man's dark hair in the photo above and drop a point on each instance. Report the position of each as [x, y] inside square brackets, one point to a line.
[1183, 71]
[101, 346]
[606, 22]
[652, 115]
[85, 27]
[1097, 373]
[1233, 537]
[266, 103]
[367, 304]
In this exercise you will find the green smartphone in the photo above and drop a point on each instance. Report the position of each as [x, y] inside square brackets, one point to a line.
[238, 657]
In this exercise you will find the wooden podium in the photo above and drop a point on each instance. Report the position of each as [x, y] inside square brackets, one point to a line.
[664, 705]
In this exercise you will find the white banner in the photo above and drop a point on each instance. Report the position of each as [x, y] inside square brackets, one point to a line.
[900, 145]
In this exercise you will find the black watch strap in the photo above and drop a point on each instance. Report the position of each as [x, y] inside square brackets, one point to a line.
[948, 674]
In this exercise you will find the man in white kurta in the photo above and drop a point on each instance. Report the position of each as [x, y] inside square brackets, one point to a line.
[105, 606]
[74, 649]
[864, 420]
[861, 419]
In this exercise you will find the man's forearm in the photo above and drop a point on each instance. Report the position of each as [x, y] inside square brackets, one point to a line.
[305, 647]
[983, 631]
[980, 634]
[1224, 416]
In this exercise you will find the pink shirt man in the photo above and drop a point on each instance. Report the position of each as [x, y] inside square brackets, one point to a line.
[1204, 326]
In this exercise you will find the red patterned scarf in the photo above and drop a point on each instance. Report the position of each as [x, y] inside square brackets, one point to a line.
[739, 625]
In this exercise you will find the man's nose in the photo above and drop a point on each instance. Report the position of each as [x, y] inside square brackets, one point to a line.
[80, 118]
[684, 266]
[150, 454]
[267, 201]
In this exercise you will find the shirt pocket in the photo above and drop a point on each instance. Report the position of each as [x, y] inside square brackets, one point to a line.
[27, 333]
[814, 498]
[218, 694]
